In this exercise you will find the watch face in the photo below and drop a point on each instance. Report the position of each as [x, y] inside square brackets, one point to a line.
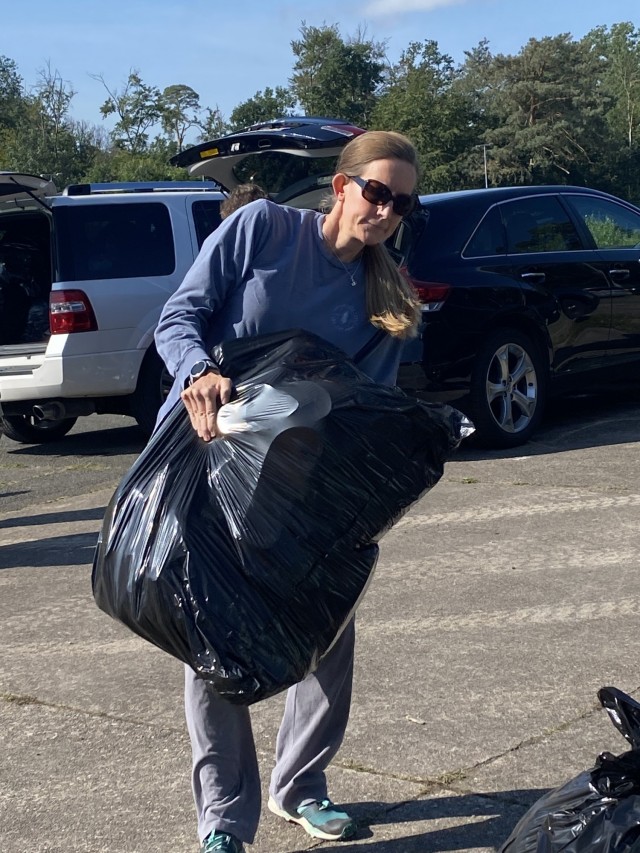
[198, 368]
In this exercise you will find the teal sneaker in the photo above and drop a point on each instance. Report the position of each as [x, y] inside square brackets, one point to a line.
[220, 842]
[320, 820]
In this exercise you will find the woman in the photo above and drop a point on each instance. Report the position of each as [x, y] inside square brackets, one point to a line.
[269, 268]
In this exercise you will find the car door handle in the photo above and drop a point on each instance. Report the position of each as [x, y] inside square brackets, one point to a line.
[619, 274]
[538, 277]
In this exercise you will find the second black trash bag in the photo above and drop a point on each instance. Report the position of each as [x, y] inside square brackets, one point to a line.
[599, 810]
[244, 557]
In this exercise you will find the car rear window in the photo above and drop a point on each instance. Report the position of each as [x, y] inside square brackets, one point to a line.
[105, 241]
[611, 225]
[276, 171]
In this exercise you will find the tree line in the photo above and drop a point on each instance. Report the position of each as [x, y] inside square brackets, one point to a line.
[561, 110]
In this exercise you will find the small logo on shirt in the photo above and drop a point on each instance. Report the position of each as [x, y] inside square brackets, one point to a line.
[344, 317]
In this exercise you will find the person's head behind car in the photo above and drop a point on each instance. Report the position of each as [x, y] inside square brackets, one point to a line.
[239, 196]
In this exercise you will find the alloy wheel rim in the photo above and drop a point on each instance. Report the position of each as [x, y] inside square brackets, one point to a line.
[512, 388]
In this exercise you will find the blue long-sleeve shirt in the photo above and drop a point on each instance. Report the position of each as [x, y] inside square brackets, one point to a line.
[267, 268]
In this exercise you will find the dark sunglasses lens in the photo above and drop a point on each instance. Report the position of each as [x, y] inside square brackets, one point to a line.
[403, 204]
[376, 193]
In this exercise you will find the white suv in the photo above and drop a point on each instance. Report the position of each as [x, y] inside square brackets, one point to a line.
[84, 273]
[83, 277]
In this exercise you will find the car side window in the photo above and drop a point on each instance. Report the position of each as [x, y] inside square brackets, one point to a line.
[538, 224]
[206, 217]
[611, 225]
[105, 241]
[488, 238]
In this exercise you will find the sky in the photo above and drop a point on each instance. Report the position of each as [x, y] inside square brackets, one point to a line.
[227, 50]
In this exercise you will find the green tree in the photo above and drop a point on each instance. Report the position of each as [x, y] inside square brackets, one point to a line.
[179, 112]
[619, 49]
[476, 85]
[334, 77]
[138, 108]
[213, 126]
[31, 149]
[545, 125]
[118, 164]
[12, 103]
[263, 106]
[419, 100]
[46, 140]
[11, 93]
[90, 142]
[52, 102]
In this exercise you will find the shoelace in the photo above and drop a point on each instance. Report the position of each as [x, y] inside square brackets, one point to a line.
[322, 805]
[218, 844]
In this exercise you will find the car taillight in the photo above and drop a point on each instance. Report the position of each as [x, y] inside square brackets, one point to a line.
[431, 294]
[70, 311]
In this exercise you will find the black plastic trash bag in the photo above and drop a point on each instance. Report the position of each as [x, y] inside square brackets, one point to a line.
[599, 810]
[244, 557]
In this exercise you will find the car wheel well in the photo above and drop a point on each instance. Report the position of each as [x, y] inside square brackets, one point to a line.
[151, 390]
[526, 327]
[508, 387]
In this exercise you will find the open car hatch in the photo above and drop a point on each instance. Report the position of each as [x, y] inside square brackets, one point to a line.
[291, 158]
[15, 186]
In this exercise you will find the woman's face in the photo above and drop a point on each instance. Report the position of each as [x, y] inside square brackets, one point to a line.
[361, 220]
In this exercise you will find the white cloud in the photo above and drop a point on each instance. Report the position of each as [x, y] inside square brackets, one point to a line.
[379, 8]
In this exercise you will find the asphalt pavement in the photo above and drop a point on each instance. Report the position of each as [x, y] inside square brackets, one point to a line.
[501, 604]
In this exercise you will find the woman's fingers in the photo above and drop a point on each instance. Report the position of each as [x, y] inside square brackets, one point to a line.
[202, 401]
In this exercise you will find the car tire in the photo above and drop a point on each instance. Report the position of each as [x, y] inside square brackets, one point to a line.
[29, 430]
[508, 389]
[154, 383]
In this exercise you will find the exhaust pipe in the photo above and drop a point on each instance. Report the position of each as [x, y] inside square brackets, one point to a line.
[56, 410]
[51, 411]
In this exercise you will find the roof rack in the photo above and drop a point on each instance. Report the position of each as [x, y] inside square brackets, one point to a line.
[140, 187]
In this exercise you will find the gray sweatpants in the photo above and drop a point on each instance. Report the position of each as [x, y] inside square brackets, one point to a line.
[225, 778]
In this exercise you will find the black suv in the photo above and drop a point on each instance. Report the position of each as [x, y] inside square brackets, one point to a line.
[526, 291]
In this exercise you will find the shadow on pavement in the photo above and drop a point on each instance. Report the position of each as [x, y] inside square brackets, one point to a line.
[73, 550]
[93, 514]
[100, 442]
[493, 817]
[574, 423]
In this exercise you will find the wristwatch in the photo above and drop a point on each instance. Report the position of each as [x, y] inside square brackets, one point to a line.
[200, 368]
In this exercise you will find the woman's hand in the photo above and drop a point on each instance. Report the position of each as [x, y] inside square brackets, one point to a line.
[203, 399]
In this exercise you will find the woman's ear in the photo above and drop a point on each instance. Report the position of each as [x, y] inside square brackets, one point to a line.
[338, 183]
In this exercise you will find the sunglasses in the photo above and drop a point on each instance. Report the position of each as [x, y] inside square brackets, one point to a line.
[375, 192]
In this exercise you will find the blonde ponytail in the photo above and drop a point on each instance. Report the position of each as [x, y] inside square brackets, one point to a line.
[391, 301]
